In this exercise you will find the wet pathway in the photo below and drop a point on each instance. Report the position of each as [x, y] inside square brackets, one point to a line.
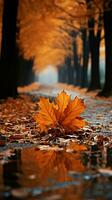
[56, 171]
[98, 110]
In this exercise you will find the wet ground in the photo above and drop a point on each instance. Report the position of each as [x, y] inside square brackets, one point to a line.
[30, 173]
[65, 168]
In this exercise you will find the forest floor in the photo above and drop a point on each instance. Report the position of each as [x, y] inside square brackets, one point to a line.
[83, 156]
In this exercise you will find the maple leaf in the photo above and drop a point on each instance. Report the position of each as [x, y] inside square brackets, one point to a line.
[63, 112]
[46, 115]
[61, 101]
[71, 119]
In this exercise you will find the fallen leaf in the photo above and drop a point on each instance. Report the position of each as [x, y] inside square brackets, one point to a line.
[46, 116]
[62, 101]
[105, 171]
[74, 146]
[63, 112]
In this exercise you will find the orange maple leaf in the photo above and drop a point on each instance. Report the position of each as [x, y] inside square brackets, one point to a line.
[61, 101]
[63, 112]
[46, 116]
[71, 119]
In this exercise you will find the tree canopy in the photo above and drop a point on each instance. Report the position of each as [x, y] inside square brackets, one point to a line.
[45, 30]
[57, 31]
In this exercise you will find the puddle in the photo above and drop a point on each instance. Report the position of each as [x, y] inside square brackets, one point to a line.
[30, 173]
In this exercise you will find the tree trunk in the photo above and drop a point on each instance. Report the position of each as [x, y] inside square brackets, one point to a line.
[70, 71]
[84, 73]
[77, 66]
[8, 73]
[94, 45]
[107, 89]
[26, 74]
[60, 77]
[62, 74]
[70, 75]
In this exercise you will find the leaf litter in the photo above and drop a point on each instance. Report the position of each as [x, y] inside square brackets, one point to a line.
[17, 123]
[18, 127]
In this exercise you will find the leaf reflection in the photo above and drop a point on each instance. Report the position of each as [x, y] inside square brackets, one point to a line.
[53, 165]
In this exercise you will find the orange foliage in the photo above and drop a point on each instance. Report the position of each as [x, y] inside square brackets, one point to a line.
[46, 116]
[42, 33]
[63, 112]
[45, 28]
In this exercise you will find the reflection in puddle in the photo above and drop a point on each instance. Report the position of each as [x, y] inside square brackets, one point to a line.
[31, 173]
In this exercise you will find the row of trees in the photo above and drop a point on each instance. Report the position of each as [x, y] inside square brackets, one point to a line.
[49, 32]
[99, 16]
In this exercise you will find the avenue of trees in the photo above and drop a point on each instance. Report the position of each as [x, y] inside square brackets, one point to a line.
[64, 33]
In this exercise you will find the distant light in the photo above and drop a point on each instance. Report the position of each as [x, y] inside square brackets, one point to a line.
[48, 76]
